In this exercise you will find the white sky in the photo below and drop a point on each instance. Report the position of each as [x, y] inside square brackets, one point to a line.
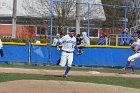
[6, 7]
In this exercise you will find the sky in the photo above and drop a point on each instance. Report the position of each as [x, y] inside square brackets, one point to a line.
[6, 7]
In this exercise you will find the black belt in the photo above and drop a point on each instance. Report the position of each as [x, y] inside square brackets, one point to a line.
[67, 51]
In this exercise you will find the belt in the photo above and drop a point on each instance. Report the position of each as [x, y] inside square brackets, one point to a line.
[67, 51]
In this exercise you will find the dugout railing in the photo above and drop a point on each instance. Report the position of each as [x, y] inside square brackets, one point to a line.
[114, 39]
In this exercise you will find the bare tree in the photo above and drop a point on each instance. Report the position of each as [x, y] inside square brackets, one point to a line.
[41, 8]
[36, 7]
[64, 12]
[137, 10]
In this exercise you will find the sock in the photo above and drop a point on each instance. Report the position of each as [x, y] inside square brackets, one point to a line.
[1, 52]
[67, 70]
[132, 68]
[127, 64]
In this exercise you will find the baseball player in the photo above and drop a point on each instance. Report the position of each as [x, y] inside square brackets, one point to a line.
[85, 40]
[69, 45]
[136, 48]
[101, 40]
[78, 39]
[56, 39]
[1, 49]
[125, 37]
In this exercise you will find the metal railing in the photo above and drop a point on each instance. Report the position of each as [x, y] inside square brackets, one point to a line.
[117, 37]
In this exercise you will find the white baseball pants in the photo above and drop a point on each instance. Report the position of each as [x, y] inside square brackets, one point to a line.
[66, 57]
[134, 56]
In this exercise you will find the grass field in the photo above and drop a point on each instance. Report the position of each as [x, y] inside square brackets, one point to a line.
[126, 82]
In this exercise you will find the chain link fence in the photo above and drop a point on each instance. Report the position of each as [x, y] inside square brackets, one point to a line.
[97, 17]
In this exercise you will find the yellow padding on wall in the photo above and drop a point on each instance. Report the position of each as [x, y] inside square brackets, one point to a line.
[87, 46]
[13, 43]
[105, 46]
[99, 46]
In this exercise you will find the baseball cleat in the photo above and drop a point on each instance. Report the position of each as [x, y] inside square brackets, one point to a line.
[123, 69]
[132, 72]
[65, 76]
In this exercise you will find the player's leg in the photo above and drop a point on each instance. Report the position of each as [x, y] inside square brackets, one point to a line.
[126, 66]
[132, 67]
[128, 62]
[132, 61]
[1, 52]
[63, 59]
[70, 60]
[58, 61]
[67, 71]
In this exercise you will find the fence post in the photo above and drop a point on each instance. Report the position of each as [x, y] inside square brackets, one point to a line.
[109, 41]
[89, 18]
[125, 17]
[29, 51]
[51, 28]
[78, 16]
[116, 40]
[106, 39]
[14, 18]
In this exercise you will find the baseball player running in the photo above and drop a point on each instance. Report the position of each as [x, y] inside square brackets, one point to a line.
[136, 48]
[69, 44]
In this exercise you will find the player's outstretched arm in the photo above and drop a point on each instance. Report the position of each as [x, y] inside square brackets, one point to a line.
[134, 49]
[57, 46]
[76, 48]
[79, 51]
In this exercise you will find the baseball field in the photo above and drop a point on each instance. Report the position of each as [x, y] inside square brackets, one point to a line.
[48, 79]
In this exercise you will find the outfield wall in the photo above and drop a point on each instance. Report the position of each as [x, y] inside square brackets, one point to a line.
[100, 56]
[15, 53]
[92, 56]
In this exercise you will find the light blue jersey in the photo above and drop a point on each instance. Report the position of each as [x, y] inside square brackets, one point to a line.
[55, 41]
[68, 43]
[136, 44]
[85, 40]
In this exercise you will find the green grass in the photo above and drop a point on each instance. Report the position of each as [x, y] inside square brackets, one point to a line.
[126, 82]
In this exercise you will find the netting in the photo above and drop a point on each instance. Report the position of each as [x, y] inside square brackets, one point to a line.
[94, 17]
[97, 17]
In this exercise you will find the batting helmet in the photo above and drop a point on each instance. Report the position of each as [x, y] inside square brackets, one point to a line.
[71, 30]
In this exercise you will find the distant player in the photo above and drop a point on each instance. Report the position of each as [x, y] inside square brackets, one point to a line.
[85, 39]
[56, 39]
[101, 40]
[78, 39]
[125, 37]
[68, 46]
[136, 48]
[1, 49]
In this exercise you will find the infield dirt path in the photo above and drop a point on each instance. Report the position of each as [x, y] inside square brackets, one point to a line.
[60, 72]
[50, 86]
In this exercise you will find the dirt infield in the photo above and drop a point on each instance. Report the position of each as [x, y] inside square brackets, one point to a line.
[40, 86]
[60, 72]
